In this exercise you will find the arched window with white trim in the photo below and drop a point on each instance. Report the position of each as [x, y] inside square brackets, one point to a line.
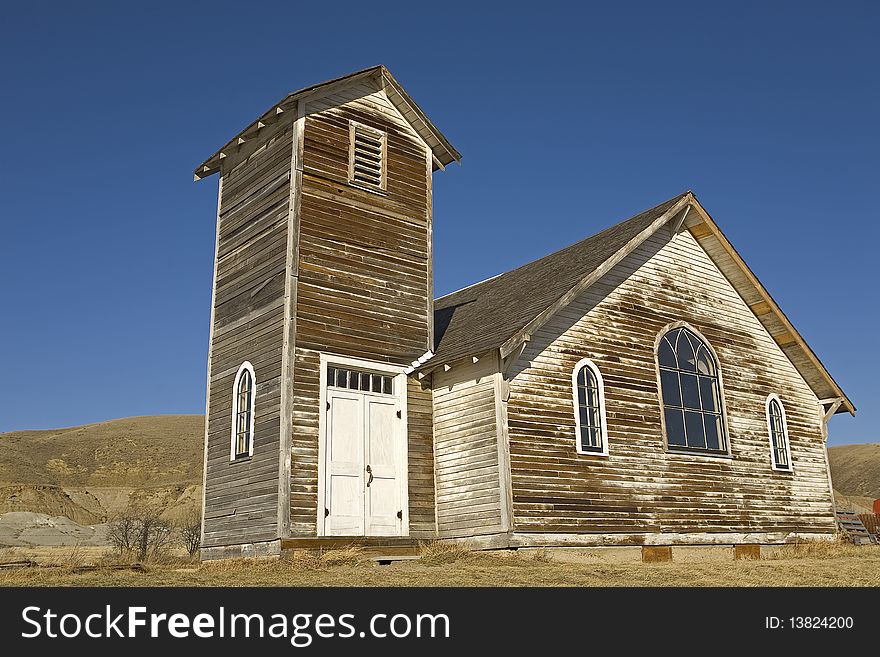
[243, 393]
[589, 408]
[690, 391]
[777, 430]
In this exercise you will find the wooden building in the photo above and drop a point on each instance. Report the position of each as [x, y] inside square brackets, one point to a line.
[638, 387]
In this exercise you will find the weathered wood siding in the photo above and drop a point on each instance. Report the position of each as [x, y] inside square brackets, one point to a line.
[241, 498]
[639, 487]
[363, 277]
[420, 460]
[466, 451]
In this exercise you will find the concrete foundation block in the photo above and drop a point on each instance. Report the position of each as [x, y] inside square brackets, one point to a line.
[702, 553]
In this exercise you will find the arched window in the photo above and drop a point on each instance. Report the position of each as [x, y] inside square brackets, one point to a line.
[693, 416]
[589, 409]
[243, 412]
[778, 432]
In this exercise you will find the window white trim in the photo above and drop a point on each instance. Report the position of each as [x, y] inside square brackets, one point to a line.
[790, 468]
[727, 452]
[603, 427]
[245, 367]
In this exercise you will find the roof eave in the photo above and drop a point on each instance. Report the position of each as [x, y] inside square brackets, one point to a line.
[443, 152]
[847, 405]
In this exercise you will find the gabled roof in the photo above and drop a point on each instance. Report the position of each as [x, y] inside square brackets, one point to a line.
[504, 312]
[443, 151]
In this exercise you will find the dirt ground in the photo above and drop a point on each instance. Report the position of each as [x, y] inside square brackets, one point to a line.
[835, 565]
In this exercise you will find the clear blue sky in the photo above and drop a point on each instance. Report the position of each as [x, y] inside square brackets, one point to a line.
[568, 117]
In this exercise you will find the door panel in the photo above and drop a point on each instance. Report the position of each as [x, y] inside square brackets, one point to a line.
[345, 457]
[382, 495]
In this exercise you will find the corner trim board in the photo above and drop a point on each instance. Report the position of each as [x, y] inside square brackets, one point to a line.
[288, 349]
[210, 350]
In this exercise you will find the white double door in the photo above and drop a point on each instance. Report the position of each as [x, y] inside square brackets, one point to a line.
[362, 479]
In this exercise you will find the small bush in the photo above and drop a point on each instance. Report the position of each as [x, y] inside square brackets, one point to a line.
[190, 530]
[140, 532]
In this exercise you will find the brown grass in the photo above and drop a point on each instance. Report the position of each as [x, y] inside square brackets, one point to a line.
[436, 553]
[808, 565]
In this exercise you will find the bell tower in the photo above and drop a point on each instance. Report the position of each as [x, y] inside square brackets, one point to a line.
[323, 263]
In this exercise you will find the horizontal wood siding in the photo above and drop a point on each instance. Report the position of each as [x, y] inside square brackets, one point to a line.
[363, 256]
[362, 285]
[466, 451]
[241, 498]
[420, 412]
[640, 487]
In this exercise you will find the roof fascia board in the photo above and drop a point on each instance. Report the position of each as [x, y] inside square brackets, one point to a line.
[284, 106]
[388, 80]
[715, 231]
[383, 79]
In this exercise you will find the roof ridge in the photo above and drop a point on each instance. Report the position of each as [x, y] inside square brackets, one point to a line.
[672, 200]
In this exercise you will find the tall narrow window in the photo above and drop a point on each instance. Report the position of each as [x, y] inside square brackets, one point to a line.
[778, 431]
[589, 409]
[366, 162]
[243, 392]
[693, 416]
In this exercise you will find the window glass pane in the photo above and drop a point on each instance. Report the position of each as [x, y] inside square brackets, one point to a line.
[365, 381]
[388, 385]
[774, 433]
[690, 391]
[713, 440]
[581, 377]
[590, 377]
[584, 416]
[685, 353]
[705, 365]
[593, 395]
[783, 460]
[376, 382]
[331, 376]
[707, 394]
[696, 433]
[582, 395]
[669, 383]
[593, 416]
[780, 428]
[590, 438]
[674, 427]
[665, 354]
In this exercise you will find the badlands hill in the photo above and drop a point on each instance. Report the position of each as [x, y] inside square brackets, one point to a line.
[89, 473]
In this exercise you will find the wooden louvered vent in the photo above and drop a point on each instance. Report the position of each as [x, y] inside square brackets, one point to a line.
[367, 157]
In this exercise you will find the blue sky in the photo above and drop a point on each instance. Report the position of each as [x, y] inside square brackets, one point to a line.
[568, 118]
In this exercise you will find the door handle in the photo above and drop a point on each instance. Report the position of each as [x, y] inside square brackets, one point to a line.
[369, 472]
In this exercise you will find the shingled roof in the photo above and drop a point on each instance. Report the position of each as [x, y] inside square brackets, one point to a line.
[483, 316]
[503, 312]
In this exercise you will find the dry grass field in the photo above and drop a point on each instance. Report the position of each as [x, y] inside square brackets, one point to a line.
[808, 565]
